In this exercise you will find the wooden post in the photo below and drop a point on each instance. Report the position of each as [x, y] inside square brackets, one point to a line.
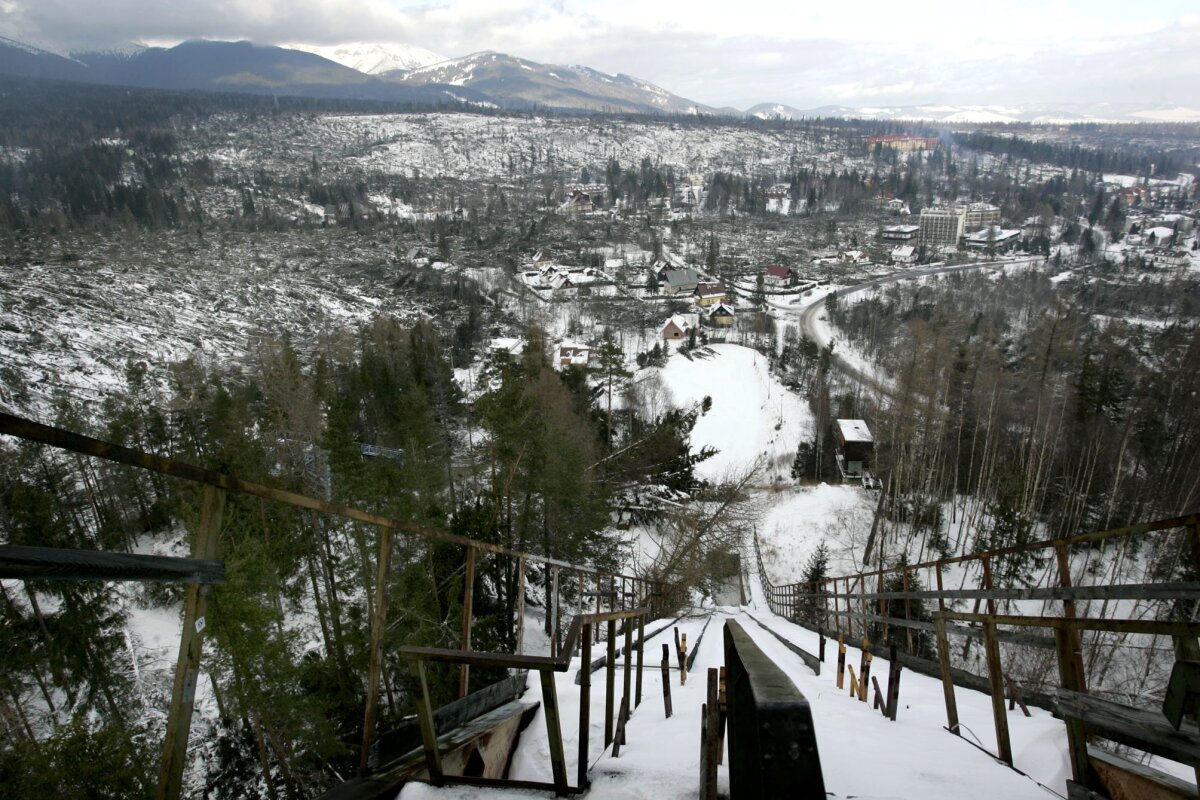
[627, 687]
[821, 648]
[554, 612]
[908, 633]
[939, 625]
[378, 629]
[433, 759]
[641, 646]
[1076, 733]
[520, 602]
[866, 671]
[666, 680]
[683, 660]
[585, 702]
[987, 584]
[853, 681]
[996, 678]
[708, 780]
[191, 644]
[610, 681]
[893, 690]
[622, 717]
[558, 759]
[464, 670]
[1069, 610]
[883, 609]
[841, 672]
[723, 720]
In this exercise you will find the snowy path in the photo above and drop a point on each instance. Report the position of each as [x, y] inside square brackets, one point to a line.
[863, 755]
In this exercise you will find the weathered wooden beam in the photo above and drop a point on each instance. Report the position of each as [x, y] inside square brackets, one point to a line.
[996, 678]
[191, 644]
[1173, 590]
[1162, 628]
[63, 564]
[943, 643]
[429, 737]
[558, 759]
[1144, 730]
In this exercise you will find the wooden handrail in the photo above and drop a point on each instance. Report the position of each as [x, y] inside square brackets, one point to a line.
[559, 663]
[27, 429]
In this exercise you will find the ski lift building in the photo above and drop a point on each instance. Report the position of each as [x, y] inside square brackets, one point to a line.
[855, 450]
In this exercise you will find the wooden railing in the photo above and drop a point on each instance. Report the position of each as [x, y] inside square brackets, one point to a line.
[579, 634]
[1154, 596]
[205, 568]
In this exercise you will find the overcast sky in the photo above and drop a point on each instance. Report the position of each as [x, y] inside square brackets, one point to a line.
[735, 53]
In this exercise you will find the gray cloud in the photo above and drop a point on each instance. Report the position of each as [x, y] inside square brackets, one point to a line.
[702, 62]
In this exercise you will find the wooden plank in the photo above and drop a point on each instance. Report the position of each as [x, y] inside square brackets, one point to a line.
[1087, 624]
[63, 564]
[585, 706]
[558, 759]
[996, 678]
[1135, 727]
[378, 630]
[841, 667]
[191, 644]
[943, 643]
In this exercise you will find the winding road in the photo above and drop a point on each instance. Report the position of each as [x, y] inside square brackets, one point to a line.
[809, 315]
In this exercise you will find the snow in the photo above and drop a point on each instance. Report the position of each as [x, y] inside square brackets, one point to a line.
[753, 419]
[862, 754]
[375, 58]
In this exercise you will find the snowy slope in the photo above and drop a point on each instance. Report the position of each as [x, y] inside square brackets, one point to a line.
[753, 420]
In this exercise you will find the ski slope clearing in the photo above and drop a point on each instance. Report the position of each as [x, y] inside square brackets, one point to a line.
[754, 420]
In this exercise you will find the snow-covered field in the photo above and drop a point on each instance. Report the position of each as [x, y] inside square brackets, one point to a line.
[754, 420]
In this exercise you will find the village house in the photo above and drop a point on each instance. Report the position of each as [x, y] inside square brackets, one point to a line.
[903, 234]
[721, 315]
[777, 275]
[1166, 257]
[853, 257]
[707, 294]
[995, 238]
[897, 206]
[681, 281]
[678, 325]
[576, 202]
[904, 254]
[573, 355]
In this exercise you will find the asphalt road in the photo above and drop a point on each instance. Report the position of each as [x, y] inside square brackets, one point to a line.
[808, 314]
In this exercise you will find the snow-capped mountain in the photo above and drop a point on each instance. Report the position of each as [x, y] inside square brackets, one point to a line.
[125, 52]
[519, 83]
[374, 59]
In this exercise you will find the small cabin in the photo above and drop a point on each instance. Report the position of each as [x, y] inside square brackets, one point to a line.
[856, 448]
